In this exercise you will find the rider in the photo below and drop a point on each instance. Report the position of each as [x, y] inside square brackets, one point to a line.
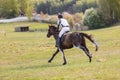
[65, 27]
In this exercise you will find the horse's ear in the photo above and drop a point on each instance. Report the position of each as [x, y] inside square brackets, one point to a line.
[49, 25]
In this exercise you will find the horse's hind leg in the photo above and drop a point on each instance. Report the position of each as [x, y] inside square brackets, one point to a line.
[85, 49]
[53, 56]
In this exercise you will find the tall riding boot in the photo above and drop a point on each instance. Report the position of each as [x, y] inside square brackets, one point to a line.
[58, 42]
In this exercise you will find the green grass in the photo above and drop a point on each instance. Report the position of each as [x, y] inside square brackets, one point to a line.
[24, 56]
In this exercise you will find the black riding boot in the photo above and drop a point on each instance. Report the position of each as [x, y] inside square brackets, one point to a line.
[58, 42]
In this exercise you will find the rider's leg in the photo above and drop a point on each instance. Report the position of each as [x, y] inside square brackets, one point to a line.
[63, 30]
[59, 38]
[58, 42]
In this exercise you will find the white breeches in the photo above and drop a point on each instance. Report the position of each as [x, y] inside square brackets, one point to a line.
[63, 30]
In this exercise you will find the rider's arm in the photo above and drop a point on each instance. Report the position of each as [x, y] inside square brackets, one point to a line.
[58, 24]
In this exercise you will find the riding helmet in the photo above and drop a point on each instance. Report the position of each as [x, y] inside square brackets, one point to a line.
[60, 15]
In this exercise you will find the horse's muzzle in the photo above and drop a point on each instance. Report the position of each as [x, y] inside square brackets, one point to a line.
[48, 36]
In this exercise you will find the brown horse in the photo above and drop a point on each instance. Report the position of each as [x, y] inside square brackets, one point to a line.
[69, 40]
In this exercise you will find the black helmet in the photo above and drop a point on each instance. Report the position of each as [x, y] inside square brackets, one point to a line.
[60, 15]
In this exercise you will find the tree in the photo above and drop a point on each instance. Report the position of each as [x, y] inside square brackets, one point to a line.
[110, 10]
[92, 19]
[9, 8]
[25, 7]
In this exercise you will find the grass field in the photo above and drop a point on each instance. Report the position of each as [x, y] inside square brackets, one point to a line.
[24, 56]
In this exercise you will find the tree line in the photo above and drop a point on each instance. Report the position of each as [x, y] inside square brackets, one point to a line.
[110, 11]
[103, 12]
[71, 6]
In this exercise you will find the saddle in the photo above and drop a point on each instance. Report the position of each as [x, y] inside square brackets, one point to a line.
[62, 38]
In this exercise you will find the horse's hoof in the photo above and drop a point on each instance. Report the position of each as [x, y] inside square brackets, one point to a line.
[49, 61]
[56, 45]
[90, 60]
[64, 63]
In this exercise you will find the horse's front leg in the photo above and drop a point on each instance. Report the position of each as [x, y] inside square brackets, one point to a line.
[53, 56]
[63, 55]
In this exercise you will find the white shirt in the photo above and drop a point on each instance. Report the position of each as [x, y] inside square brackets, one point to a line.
[63, 22]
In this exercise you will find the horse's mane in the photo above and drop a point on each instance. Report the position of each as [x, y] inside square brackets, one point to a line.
[51, 25]
[54, 27]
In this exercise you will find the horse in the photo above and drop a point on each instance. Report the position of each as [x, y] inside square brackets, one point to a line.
[69, 40]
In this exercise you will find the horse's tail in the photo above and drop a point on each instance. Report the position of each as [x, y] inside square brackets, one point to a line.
[89, 37]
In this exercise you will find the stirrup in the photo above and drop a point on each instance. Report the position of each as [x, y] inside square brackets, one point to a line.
[56, 45]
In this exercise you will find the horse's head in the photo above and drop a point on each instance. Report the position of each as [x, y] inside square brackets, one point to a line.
[52, 30]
